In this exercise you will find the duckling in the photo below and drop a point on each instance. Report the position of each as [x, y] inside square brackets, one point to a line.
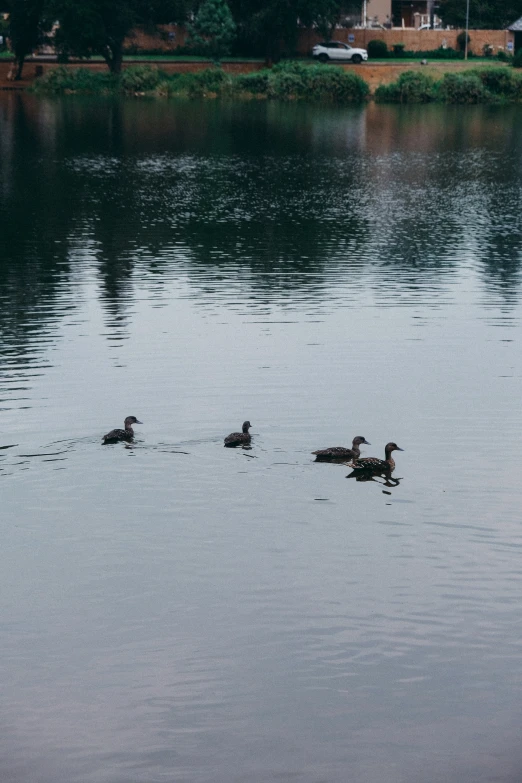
[127, 434]
[340, 452]
[374, 465]
[239, 438]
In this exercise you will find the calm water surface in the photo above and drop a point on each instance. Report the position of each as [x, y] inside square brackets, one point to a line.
[177, 611]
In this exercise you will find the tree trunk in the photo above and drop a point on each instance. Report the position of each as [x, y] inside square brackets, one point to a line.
[272, 51]
[113, 56]
[117, 59]
[19, 60]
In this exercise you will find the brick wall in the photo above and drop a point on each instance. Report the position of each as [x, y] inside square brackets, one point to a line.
[413, 40]
[167, 38]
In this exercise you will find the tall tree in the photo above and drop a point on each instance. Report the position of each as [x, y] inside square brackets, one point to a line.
[90, 27]
[324, 15]
[26, 29]
[269, 26]
[483, 14]
[213, 29]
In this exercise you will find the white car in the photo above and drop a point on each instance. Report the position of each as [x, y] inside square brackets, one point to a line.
[337, 50]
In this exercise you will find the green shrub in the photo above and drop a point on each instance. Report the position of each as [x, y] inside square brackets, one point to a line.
[139, 78]
[388, 93]
[256, 82]
[433, 54]
[316, 82]
[289, 66]
[335, 84]
[499, 81]
[462, 88]
[286, 85]
[443, 54]
[503, 56]
[209, 80]
[377, 48]
[489, 85]
[517, 87]
[64, 79]
[410, 87]
[175, 84]
[461, 41]
[517, 59]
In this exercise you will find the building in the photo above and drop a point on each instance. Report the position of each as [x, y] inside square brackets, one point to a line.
[398, 13]
[412, 13]
[516, 29]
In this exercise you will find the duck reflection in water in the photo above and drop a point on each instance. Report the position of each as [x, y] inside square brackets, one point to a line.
[367, 468]
[364, 475]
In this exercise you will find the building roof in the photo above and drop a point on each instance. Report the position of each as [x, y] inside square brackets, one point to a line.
[516, 26]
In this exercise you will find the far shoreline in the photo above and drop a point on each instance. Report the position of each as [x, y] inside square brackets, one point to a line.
[374, 72]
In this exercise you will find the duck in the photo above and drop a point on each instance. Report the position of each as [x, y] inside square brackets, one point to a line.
[340, 452]
[374, 465]
[126, 434]
[239, 438]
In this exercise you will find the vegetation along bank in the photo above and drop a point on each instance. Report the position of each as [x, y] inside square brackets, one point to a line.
[292, 80]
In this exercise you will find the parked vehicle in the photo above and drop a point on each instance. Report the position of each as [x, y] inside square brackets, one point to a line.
[337, 50]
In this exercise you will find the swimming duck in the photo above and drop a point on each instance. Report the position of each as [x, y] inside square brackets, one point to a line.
[127, 434]
[239, 438]
[374, 465]
[340, 452]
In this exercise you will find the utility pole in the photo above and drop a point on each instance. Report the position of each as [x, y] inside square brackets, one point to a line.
[467, 28]
[363, 20]
[429, 8]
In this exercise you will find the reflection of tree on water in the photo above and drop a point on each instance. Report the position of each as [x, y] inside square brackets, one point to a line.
[35, 204]
[274, 203]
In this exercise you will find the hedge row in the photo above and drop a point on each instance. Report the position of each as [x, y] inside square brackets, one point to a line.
[378, 49]
[488, 85]
[292, 80]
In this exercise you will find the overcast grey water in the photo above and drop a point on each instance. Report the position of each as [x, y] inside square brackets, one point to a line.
[171, 610]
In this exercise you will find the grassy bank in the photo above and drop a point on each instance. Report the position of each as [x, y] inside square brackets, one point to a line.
[292, 81]
[482, 85]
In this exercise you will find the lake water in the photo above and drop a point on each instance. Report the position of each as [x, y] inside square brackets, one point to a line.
[176, 611]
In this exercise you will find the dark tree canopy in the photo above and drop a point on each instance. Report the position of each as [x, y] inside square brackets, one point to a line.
[267, 26]
[483, 14]
[26, 30]
[101, 26]
[324, 15]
